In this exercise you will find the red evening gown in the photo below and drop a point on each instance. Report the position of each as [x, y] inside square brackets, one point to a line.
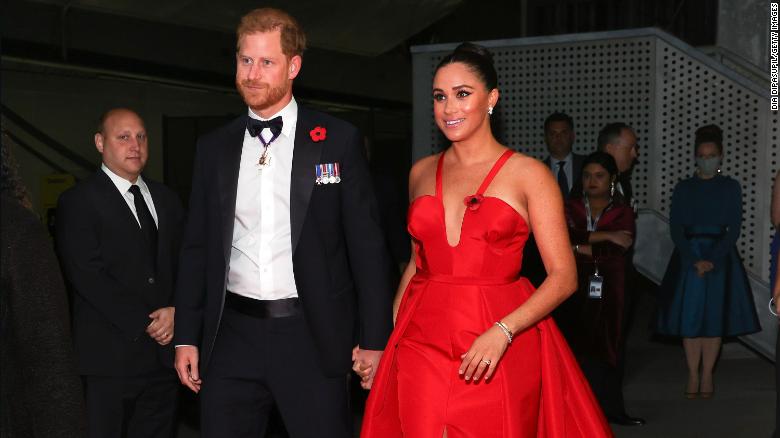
[458, 293]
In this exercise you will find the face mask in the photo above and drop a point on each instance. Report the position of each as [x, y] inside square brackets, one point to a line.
[708, 166]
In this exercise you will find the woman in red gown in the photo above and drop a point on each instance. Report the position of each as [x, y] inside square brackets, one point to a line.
[474, 352]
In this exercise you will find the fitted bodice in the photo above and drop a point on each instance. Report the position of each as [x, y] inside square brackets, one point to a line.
[492, 234]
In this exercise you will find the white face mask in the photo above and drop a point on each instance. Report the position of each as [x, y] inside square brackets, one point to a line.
[708, 166]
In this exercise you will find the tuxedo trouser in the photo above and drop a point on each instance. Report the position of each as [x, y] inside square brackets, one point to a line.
[261, 362]
[132, 407]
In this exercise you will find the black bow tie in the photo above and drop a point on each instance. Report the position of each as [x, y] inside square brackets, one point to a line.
[255, 127]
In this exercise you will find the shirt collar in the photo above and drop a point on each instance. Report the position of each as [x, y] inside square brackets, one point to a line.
[555, 161]
[122, 184]
[289, 116]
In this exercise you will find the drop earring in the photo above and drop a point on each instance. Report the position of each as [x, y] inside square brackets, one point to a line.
[612, 189]
[490, 110]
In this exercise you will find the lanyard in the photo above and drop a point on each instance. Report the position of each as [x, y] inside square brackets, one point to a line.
[593, 223]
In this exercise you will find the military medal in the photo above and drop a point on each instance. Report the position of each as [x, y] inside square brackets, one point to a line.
[337, 172]
[265, 159]
[318, 171]
[325, 174]
[331, 175]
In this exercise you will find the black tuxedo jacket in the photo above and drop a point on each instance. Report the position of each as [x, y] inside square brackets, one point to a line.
[340, 260]
[105, 259]
[576, 180]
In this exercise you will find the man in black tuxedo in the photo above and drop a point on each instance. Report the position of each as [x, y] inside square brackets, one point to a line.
[118, 237]
[284, 268]
[567, 168]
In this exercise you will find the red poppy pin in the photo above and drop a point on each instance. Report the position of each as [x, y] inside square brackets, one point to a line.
[473, 201]
[318, 134]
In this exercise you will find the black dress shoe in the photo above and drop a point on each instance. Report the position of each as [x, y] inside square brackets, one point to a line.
[625, 420]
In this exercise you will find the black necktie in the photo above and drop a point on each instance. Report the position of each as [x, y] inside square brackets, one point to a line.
[255, 127]
[563, 182]
[147, 222]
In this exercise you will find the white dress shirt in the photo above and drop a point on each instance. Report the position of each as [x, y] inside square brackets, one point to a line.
[124, 185]
[568, 167]
[261, 265]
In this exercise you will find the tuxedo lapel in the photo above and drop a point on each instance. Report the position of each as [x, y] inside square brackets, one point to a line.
[305, 156]
[229, 161]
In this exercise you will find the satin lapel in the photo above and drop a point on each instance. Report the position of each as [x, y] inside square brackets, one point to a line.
[229, 159]
[305, 156]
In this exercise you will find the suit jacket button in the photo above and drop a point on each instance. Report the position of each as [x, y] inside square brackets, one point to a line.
[151, 280]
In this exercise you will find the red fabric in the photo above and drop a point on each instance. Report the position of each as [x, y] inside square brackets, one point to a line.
[458, 293]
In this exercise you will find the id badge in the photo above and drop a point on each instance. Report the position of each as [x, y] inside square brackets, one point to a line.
[594, 287]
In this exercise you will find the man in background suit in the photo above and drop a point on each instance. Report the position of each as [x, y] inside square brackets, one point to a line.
[566, 166]
[118, 238]
[284, 267]
[619, 140]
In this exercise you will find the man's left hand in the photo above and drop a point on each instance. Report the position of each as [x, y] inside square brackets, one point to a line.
[161, 327]
[365, 363]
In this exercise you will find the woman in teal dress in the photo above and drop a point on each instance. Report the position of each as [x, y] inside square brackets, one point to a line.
[705, 293]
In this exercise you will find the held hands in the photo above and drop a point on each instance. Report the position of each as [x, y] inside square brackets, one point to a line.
[161, 327]
[365, 364]
[484, 354]
[186, 364]
[702, 267]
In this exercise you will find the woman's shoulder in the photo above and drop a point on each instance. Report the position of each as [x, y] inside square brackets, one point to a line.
[526, 166]
[728, 181]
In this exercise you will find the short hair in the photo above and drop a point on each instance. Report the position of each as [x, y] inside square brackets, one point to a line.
[270, 19]
[709, 134]
[558, 117]
[101, 125]
[604, 160]
[610, 133]
[478, 59]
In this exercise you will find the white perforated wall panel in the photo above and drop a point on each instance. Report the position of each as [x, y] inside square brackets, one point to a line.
[645, 78]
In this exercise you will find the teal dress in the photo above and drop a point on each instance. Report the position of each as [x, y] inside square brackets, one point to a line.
[705, 221]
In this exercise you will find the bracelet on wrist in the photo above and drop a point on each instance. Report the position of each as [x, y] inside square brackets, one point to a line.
[505, 329]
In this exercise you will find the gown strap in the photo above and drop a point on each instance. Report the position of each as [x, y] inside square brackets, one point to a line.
[492, 174]
[438, 176]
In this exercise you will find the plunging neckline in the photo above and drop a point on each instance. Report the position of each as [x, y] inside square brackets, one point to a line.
[478, 196]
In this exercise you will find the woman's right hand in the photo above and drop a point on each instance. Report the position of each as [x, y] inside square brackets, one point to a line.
[702, 267]
[621, 238]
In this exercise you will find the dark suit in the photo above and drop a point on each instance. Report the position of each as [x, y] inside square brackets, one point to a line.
[106, 261]
[575, 190]
[533, 267]
[341, 271]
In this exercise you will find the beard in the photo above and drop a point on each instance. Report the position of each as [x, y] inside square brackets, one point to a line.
[260, 98]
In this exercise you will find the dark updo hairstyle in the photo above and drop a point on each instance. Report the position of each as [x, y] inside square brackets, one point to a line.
[478, 59]
[709, 134]
[604, 160]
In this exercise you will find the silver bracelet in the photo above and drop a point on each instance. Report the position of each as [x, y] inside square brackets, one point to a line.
[505, 329]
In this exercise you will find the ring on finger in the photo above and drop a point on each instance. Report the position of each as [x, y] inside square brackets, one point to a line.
[486, 361]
